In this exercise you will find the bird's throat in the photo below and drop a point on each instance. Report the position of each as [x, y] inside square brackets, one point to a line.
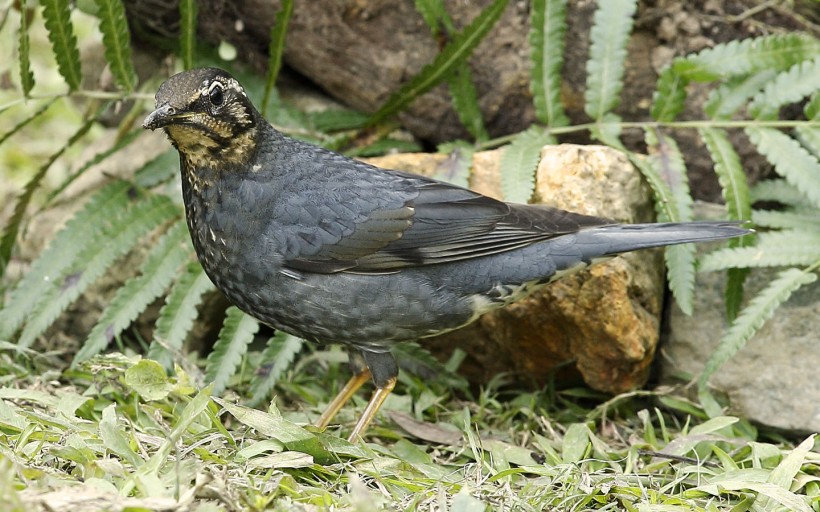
[201, 149]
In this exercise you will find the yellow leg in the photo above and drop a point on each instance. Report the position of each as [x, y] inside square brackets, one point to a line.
[372, 408]
[344, 395]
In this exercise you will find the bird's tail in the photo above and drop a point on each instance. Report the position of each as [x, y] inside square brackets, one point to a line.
[620, 238]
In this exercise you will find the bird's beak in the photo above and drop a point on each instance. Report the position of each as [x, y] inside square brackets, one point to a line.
[162, 116]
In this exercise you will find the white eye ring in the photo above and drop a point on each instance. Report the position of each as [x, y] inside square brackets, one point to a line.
[216, 94]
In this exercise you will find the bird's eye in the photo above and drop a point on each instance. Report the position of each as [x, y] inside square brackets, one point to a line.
[216, 95]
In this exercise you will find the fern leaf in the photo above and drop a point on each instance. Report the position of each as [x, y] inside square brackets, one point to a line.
[156, 273]
[518, 164]
[96, 159]
[735, 190]
[778, 190]
[454, 54]
[420, 361]
[465, 102]
[22, 124]
[751, 319]
[187, 32]
[729, 170]
[23, 53]
[609, 36]
[277, 357]
[60, 254]
[803, 220]
[777, 52]
[733, 95]
[176, 318]
[13, 226]
[121, 234]
[773, 249]
[809, 137]
[117, 42]
[433, 13]
[665, 158]
[665, 205]
[790, 160]
[276, 48]
[789, 86]
[669, 96]
[57, 17]
[548, 26]
[231, 346]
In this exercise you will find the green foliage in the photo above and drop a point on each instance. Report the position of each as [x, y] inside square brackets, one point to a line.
[117, 42]
[23, 53]
[453, 55]
[231, 346]
[276, 48]
[753, 80]
[57, 17]
[605, 67]
[518, 164]
[187, 31]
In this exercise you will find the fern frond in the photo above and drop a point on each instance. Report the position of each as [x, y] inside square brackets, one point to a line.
[277, 357]
[665, 205]
[61, 253]
[669, 96]
[434, 15]
[117, 42]
[773, 249]
[809, 137]
[187, 32]
[119, 144]
[778, 190]
[23, 53]
[777, 52]
[790, 86]
[733, 95]
[231, 346]
[454, 54]
[176, 318]
[548, 26]
[609, 36]
[13, 226]
[276, 48]
[22, 124]
[465, 102]
[57, 17]
[751, 319]
[120, 234]
[733, 184]
[665, 158]
[807, 220]
[419, 361]
[519, 161]
[790, 160]
[157, 272]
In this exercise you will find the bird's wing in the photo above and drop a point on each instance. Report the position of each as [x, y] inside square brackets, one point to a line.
[366, 220]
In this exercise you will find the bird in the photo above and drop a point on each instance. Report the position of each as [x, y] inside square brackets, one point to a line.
[334, 250]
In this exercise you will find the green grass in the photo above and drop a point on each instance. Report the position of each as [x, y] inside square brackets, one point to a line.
[117, 435]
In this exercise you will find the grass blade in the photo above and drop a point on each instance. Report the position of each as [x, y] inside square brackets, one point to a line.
[187, 32]
[276, 48]
[451, 56]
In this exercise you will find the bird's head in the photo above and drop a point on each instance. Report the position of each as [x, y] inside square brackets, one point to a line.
[207, 116]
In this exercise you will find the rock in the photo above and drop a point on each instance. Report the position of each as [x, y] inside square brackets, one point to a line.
[773, 378]
[601, 324]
